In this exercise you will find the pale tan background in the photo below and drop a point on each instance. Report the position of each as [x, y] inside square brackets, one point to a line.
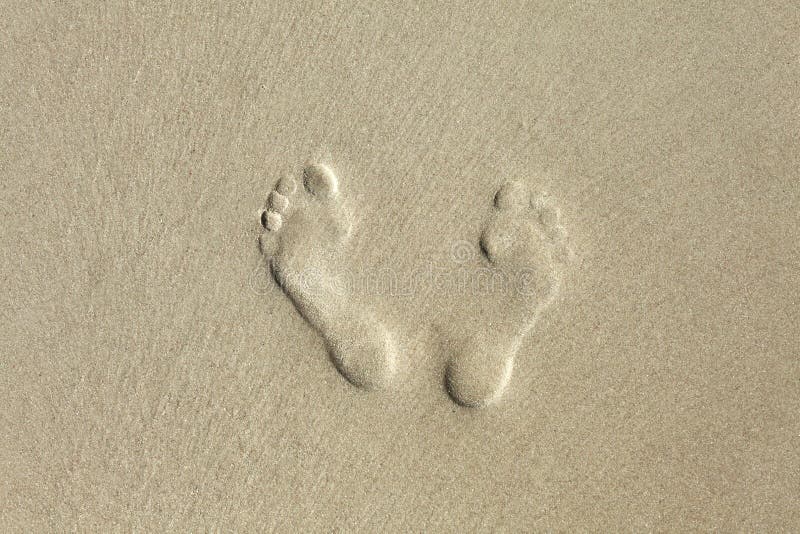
[152, 380]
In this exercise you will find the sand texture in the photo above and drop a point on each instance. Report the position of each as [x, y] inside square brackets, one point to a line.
[385, 267]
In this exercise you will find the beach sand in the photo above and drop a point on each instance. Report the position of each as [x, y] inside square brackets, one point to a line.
[155, 377]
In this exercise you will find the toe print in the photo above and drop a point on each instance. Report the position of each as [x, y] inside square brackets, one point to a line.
[277, 209]
[271, 221]
[278, 203]
[499, 242]
[320, 181]
[286, 186]
[512, 196]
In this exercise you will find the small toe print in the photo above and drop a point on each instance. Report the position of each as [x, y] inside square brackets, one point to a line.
[286, 186]
[513, 195]
[271, 221]
[494, 241]
[320, 181]
[278, 202]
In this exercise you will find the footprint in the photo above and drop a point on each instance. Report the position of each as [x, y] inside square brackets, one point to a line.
[307, 228]
[525, 246]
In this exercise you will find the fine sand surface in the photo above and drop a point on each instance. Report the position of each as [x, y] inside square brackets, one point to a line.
[449, 268]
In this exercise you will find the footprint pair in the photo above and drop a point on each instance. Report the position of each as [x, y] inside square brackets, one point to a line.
[306, 228]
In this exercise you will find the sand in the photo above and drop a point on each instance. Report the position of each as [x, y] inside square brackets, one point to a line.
[639, 162]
